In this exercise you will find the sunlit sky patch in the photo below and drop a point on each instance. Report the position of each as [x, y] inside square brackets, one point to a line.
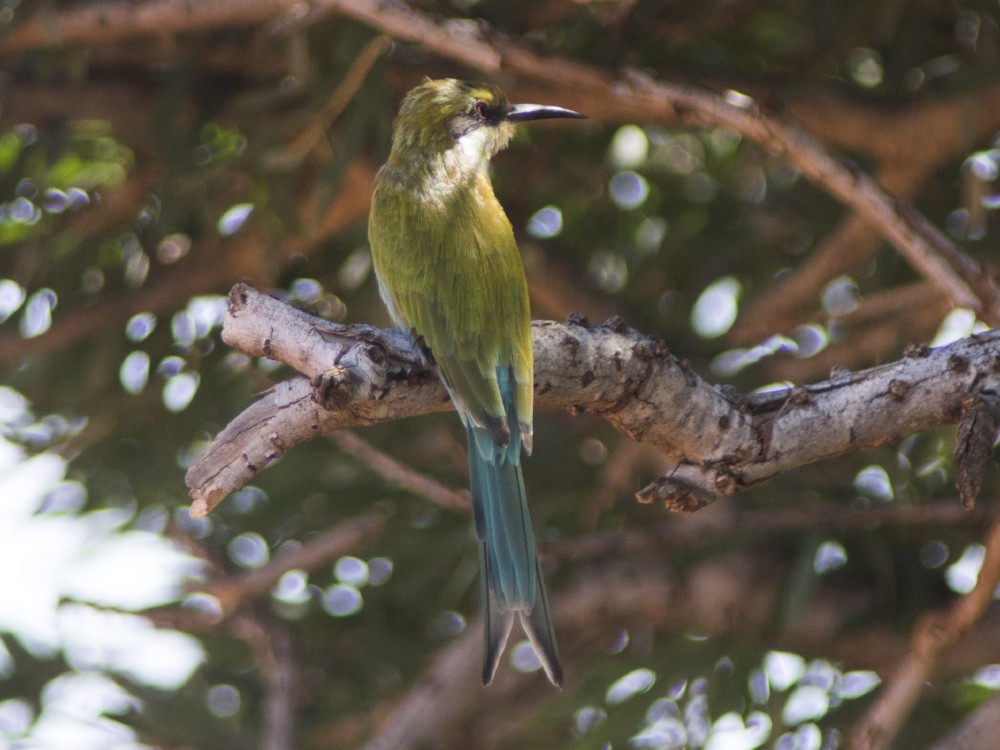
[545, 222]
[342, 600]
[223, 700]
[179, 390]
[730, 732]
[134, 372]
[988, 677]
[830, 555]
[140, 325]
[523, 657]
[732, 361]
[715, 310]
[306, 290]
[805, 703]
[12, 296]
[127, 644]
[37, 316]
[75, 710]
[233, 218]
[172, 248]
[629, 147]
[840, 296]
[858, 683]
[873, 481]
[588, 718]
[628, 189]
[783, 669]
[810, 339]
[803, 693]
[865, 66]
[379, 570]
[957, 324]
[292, 587]
[630, 685]
[355, 269]
[351, 570]
[961, 576]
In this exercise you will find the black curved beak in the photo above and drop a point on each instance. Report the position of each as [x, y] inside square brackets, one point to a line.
[526, 112]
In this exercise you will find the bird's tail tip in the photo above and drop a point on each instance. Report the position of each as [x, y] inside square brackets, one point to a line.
[537, 624]
[544, 645]
[541, 641]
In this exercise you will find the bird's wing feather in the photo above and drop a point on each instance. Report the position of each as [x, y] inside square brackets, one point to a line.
[458, 283]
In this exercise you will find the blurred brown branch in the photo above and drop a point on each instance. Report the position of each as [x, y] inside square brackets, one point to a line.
[934, 633]
[700, 528]
[393, 471]
[633, 97]
[794, 298]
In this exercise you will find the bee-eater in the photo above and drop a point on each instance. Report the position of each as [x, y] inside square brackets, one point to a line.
[450, 273]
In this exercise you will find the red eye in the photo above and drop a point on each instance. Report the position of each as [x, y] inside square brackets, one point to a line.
[480, 110]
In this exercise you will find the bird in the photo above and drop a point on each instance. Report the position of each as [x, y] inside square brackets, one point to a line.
[450, 274]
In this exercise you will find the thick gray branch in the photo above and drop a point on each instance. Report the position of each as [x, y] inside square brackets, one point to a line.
[359, 375]
[720, 443]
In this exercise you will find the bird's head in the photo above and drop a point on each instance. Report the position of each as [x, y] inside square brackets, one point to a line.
[438, 115]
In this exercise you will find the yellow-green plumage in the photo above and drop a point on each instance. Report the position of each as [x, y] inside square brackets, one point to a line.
[443, 245]
[472, 311]
[449, 271]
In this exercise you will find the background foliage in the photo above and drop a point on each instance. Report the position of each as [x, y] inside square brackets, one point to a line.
[142, 174]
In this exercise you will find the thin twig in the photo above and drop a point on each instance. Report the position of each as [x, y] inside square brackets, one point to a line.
[934, 632]
[402, 475]
[280, 670]
[341, 96]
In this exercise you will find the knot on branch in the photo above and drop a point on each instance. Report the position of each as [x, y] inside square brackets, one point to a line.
[675, 494]
[334, 389]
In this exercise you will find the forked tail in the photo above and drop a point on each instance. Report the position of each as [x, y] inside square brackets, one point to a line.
[511, 575]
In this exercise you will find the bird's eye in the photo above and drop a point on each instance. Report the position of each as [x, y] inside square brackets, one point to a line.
[479, 110]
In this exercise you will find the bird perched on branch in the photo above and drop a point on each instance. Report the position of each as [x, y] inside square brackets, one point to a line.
[450, 273]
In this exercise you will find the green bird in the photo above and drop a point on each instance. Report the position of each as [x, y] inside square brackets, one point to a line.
[450, 273]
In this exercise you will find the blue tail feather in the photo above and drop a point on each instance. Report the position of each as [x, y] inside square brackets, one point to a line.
[512, 580]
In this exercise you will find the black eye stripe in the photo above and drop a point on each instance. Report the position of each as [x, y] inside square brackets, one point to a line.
[486, 112]
[480, 114]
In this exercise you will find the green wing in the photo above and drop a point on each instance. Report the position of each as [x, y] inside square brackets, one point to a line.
[450, 270]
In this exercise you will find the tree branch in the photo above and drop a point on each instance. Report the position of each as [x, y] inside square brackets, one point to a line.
[934, 633]
[633, 97]
[794, 298]
[404, 476]
[718, 443]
